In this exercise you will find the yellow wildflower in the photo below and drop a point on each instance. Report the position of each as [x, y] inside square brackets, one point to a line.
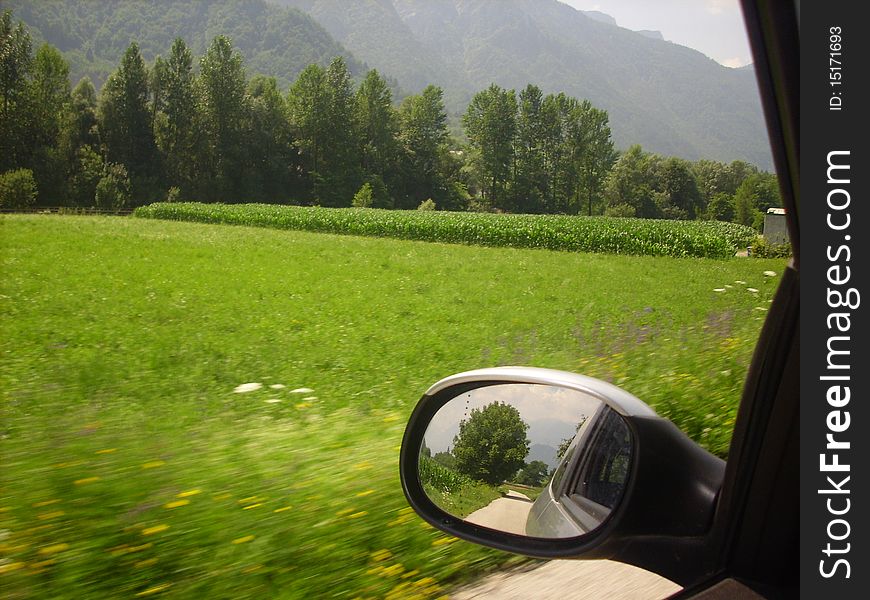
[145, 563]
[153, 464]
[44, 503]
[176, 503]
[155, 529]
[155, 589]
[400, 520]
[393, 570]
[443, 541]
[53, 549]
[365, 493]
[282, 509]
[250, 506]
[106, 451]
[39, 567]
[86, 480]
[359, 514]
[380, 555]
[9, 567]
[244, 540]
[50, 515]
[125, 549]
[188, 493]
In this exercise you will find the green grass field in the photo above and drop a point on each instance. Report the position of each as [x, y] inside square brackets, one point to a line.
[130, 468]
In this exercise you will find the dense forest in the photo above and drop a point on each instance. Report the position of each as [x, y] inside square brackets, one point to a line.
[671, 99]
[186, 129]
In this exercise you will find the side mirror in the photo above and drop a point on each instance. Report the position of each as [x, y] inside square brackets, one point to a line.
[557, 465]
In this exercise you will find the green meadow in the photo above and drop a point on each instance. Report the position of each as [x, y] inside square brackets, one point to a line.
[132, 464]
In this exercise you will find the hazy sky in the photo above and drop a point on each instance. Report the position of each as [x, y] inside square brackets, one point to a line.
[552, 413]
[714, 27]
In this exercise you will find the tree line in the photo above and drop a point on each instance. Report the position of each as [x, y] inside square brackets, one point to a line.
[182, 129]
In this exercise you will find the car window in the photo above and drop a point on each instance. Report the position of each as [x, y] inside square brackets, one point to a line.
[560, 470]
[603, 473]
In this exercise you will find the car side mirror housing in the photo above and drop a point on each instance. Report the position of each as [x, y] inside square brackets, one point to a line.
[553, 464]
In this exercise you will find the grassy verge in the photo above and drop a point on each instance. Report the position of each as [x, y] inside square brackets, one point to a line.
[464, 500]
[531, 492]
[710, 239]
[130, 466]
[458, 494]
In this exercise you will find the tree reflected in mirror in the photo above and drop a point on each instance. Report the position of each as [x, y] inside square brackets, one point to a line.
[527, 459]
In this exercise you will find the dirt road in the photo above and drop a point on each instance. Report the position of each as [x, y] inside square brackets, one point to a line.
[508, 513]
[557, 579]
[560, 579]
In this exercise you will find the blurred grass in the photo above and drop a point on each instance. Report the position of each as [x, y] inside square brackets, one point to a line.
[130, 468]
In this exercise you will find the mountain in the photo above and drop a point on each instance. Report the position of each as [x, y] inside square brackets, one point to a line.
[671, 99]
[599, 16]
[545, 454]
[651, 33]
[373, 28]
[274, 40]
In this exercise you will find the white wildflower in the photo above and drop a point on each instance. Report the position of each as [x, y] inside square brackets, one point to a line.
[247, 387]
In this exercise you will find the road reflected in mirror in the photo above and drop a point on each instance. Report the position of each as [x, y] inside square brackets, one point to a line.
[535, 460]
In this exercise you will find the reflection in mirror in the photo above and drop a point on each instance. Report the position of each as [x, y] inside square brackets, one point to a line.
[528, 459]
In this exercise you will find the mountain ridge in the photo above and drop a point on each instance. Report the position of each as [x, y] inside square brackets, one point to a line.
[275, 40]
[671, 99]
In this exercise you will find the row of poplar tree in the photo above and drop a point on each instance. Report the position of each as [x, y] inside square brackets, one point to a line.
[177, 132]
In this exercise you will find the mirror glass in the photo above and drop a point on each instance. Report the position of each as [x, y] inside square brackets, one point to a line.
[535, 460]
